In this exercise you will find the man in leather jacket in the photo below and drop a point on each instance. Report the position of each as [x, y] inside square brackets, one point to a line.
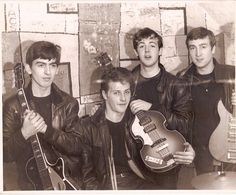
[52, 116]
[156, 89]
[111, 155]
[209, 83]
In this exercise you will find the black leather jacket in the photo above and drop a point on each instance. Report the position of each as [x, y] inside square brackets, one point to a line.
[223, 74]
[62, 136]
[174, 100]
[97, 141]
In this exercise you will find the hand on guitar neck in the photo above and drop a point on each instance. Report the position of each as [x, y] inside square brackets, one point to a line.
[33, 123]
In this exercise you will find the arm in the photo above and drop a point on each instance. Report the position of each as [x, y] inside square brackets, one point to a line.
[65, 135]
[88, 168]
[13, 141]
[178, 110]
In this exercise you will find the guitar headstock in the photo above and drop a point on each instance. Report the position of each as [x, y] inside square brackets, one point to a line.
[103, 59]
[19, 75]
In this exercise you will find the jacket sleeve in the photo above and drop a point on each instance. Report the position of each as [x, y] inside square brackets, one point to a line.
[13, 141]
[178, 112]
[88, 168]
[65, 135]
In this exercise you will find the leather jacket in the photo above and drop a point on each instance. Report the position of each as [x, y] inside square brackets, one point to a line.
[223, 74]
[174, 100]
[97, 147]
[61, 136]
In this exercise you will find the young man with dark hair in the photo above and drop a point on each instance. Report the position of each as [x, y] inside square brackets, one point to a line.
[52, 116]
[111, 155]
[156, 89]
[209, 83]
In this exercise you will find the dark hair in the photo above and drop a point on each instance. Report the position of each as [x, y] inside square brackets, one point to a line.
[146, 33]
[200, 33]
[43, 50]
[117, 74]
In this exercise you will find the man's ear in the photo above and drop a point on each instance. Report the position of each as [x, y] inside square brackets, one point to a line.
[28, 69]
[213, 49]
[160, 51]
[104, 95]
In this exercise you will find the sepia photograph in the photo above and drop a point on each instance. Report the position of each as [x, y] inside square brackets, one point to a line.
[118, 96]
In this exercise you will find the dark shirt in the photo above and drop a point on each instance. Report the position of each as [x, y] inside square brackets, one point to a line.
[117, 131]
[206, 94]
[43, 106]
[146, 89]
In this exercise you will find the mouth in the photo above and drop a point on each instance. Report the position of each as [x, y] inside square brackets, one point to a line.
[46, 79]
[199, 59]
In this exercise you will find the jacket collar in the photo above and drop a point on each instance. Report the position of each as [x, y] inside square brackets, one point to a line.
[217, 71]
[56, 93]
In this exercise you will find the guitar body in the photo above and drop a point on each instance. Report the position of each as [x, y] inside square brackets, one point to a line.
[56, 173]
[159, 143]
[222, 143]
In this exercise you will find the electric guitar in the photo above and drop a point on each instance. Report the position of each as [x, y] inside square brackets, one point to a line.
[52, 175]
[222, 143]
[159, 143]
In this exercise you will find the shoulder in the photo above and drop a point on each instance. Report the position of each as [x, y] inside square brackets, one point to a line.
[60, 94]
[11, 101]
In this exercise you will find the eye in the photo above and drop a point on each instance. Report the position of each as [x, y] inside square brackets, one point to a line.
[53, 65]
[141, 46]
[116, 93]
[40, 65]
[127, 92]
[191, 48]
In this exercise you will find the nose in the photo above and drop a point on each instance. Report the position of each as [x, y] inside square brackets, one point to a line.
[198, 50]
[122, 97]
[47, 69]
[146, 49]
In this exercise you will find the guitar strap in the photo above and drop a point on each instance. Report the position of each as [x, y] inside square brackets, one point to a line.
[112, 169]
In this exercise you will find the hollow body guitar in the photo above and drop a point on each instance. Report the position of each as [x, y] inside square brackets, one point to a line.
[222, 143]
[159, 143]
[41, 174]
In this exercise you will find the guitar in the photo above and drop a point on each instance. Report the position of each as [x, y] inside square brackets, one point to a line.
[222, 143]
[52, 176]
[159, 143]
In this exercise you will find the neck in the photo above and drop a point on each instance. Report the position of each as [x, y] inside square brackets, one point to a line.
[113, 116]
[206, 69]
[149, 71]
[40, 91]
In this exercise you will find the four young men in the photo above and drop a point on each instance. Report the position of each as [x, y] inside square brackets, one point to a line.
[110, 155]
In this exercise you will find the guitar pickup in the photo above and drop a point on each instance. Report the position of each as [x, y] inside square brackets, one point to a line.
[232, 134]
[149, 128]
[162, 147]
[231, 157]
[232, 140]
[144, 120]
[159, 141]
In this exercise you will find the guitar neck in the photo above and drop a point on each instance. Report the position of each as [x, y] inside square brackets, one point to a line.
[36, 147]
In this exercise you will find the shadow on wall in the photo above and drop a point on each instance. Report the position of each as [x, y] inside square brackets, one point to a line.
[228, 31]
[8, 73]
[129, 49]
